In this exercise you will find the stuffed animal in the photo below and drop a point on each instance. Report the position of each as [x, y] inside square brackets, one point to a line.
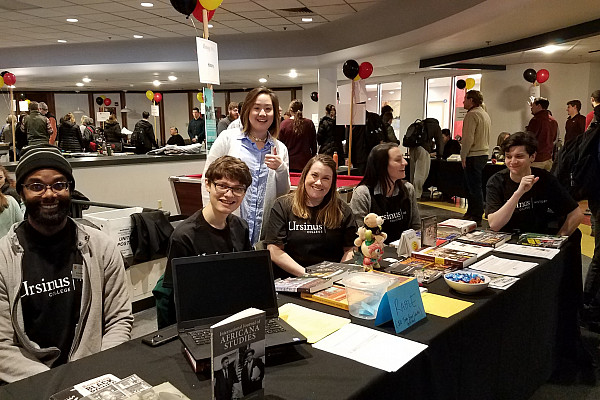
[372, 255]
[370, 241]
[373, 224]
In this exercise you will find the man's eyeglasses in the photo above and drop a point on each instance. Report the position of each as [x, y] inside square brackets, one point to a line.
[40, 188]
[236, 190]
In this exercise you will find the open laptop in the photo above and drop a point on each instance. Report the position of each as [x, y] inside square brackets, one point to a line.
[210, 288]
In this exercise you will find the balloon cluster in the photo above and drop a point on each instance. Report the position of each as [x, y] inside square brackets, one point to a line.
[356, 72]
[195, 7]
[7, 78]
[468, 83]
[540, 76]
[156, 97]
[103, 100]
[314, 96]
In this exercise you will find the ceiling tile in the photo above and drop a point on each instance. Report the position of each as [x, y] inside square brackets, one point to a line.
[330, 17]
[242, 23]
[242, 7]
[335, 9]
[310, 3]
[254, 29]
[75, 11]
[259, 14]
[105, 17]
[43, 12]
[361, 6]
[272, 21]
[15, 16]
[133, 14]
[113, 7]
[48, 3]
[279, 4]
[298, 20]
[290, 27]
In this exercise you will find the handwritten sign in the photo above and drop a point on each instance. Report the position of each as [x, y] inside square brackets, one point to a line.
[208, 61]
[404, 306]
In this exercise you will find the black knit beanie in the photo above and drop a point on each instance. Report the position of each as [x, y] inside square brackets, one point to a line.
[42, 156]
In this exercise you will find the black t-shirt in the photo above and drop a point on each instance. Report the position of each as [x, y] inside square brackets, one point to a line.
[306, 241]
[195, 236]
[51, 288]
[176, 140]
[396, 212]
[543, 209]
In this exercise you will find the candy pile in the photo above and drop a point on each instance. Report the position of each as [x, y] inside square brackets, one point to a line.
[465, 277]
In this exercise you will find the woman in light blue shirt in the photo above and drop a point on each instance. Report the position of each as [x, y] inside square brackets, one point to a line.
[267, 158]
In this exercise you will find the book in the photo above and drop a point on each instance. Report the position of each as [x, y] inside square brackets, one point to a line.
[334, 296]
[485, 238]
[238, 355]
[103, 387]
[163, 391]
[332, 270]
[480, 251]
[301, 284]
[429, 231]
[539, 240]
[446, 256]
[425, 271]
[458, 225]
[409, 242]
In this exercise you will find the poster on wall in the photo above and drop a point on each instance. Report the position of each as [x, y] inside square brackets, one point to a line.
[102, 116]
[210, 121]
[208, 61]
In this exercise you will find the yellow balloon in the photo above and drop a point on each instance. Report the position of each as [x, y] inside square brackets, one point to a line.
[28, 101]
[210, 4]
[103, 97]
[356, 78]
[150, 95]
[1, 82]
[470, 83]
[200, 97]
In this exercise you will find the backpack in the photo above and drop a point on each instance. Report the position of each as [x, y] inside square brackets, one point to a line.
[375, 131]
[416, 135]
[138, 139]
[577, 167]
[88, 134]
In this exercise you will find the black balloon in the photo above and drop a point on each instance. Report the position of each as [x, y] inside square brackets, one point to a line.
[314, 96]
[350, 69]
[186, 7]
[99, 101]
[461, 84]
[2, 73]
[530, 75]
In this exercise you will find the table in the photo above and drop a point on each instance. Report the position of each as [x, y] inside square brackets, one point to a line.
[502, 347]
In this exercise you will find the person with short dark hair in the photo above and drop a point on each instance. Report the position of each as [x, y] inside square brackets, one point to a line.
[451, 146]
[225, 377]
[544, 128]
[213, 229]
[526, 198]
[330, 135]
[37, 126]
[63, 294]
[389, 134]
[250, 382]
[146, 141]
[175, 139]
[232, 115]
[43, 108]
[595, 100]
[575, 124]
[196, 127]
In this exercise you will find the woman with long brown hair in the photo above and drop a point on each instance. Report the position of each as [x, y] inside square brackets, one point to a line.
[311, 224]
[299, 136]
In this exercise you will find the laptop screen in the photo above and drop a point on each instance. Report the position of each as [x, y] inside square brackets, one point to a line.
[220, 285]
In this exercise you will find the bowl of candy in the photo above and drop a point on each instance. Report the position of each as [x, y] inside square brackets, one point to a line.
[467, 282]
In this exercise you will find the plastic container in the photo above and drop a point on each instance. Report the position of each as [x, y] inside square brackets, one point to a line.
[364, 291]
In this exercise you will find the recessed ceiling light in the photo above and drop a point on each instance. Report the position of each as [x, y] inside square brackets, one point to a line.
[262, 80]
[156, 82]
[138, 36]
[210, 25]
[146, 4]
[79, 84]
[293, 73]
[306, 19]
[61, 41]
[172, 78]
[369, 99]
[549, 49]
[72, 20]
[86, 80]
[392, 92]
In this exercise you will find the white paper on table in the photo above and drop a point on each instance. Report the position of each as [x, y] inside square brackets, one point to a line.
[371, 347]
[540, 252]
[497, 281]
[503, 266]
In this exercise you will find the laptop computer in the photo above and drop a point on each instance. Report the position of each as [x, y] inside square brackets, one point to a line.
[210, 288]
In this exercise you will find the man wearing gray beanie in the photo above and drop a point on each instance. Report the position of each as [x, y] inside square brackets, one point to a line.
[62, 285]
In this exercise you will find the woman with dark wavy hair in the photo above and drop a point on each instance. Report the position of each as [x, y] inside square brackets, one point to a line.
[311, 224]
[299, 136]
[382, 191]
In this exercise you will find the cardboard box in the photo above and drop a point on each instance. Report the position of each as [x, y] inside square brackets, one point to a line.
[117, 225]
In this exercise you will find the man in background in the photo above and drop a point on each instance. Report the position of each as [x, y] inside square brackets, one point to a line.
[232, 115]
[37, 126]
[43, 107]
[145, 140]
[451, 146]
[575, 124]
[196, 127]
[595, 99]
[175, 138]
[544, 128]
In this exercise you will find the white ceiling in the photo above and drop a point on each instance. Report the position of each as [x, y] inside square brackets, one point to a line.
[262, 38]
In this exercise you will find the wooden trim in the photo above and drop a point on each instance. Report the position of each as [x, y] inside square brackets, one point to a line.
[91, 107]
[190, 104]
[123, 105]
[161, 121]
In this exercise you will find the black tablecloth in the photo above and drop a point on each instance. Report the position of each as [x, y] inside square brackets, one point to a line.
[503, 347]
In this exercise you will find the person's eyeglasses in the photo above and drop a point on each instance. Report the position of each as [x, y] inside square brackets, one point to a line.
[40, 188]
[236, 190]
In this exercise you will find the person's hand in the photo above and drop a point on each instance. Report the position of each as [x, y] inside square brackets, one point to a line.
[273, 161]
[464, 163]
[527, 182]
[194, 140]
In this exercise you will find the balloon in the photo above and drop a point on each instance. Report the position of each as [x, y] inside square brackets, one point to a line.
[2, 73]
[150, 95]
[28, 101]
[200, 97]
[103, 97]
[470, 82]
[350, 69]
[186, 7]
[314, 96]
[356, 78]
[107, 102]
[461, 84]
[157, 97]
[210, 4]
[365, 70]
[198, 12]
[1, 82]
[530, 75]
[10, 78]
[99, 101]
[542, 76]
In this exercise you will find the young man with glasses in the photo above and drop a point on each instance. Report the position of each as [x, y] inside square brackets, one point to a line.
[62, 285]
[214, 229]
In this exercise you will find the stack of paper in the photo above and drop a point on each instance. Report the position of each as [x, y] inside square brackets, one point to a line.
[503, 266]
[314, 325]
[540, 252]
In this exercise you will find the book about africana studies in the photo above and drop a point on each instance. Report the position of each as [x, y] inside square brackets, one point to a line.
[238, 356]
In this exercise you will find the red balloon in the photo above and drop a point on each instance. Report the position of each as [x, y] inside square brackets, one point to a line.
[198, 12]
[157, 97]
[10, 78]
[542, 75]
[365, 70]
[107, 102]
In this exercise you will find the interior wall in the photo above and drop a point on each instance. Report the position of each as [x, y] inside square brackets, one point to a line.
[138, 103]
[310, 107]
[413, 101]
[70, 102]
[115, 99]
[176, 112]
